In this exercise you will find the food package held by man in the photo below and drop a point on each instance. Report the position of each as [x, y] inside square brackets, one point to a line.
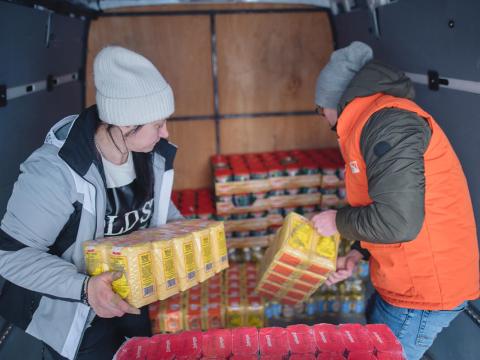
[297, 262]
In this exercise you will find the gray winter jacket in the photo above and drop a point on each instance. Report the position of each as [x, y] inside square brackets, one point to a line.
[58, 202]
[393, 143]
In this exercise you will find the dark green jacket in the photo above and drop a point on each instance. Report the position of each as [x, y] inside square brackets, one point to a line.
[393, 143]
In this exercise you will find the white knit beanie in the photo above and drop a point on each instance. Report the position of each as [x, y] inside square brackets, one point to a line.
[335, 77]
[129, 89]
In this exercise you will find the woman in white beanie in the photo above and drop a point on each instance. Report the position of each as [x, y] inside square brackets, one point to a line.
[105, 172]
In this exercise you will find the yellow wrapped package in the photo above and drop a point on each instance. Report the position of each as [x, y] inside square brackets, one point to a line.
[164, 268]
[298, 261]
[186, 260]
[96, 256]
[204, 254]
[134, 260]
[218, 241]
[203, 246]
[217, 231]
[299, 245]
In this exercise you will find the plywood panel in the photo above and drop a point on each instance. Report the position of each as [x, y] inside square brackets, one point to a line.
[275, 133]
[196, 143]
[269, 62]
[180, 47]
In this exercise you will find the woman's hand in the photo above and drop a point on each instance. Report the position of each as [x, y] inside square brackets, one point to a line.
[346, 265]
[103, 300]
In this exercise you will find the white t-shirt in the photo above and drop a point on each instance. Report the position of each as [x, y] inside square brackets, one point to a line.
[119, 175]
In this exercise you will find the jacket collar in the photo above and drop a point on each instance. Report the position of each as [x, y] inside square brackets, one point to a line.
[79, 150]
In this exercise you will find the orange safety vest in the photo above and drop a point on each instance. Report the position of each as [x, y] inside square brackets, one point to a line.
[439, 269]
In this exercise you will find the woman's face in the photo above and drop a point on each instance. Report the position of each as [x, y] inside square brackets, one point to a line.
[144, 138]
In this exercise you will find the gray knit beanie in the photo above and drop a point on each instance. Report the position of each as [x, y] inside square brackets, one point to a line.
[129, 89]
[336, 75]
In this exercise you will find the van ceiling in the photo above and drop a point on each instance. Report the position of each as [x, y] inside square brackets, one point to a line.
[109, 4]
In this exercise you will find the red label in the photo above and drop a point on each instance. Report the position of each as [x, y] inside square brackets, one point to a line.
[282, 270]
[318, 270]
[276, 279]
[290, 260]
[295, 295]
[309, 279]
[270, 287]
[302, 287]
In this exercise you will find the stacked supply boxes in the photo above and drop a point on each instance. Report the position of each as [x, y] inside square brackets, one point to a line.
[226, 300]
[255, 191]
[297, 262]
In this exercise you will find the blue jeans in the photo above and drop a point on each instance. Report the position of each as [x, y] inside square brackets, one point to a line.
[416, 329]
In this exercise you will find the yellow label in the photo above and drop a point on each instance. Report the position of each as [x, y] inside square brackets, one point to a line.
[189, 257]
[222, 244]
[169, 267]
[326, 246]
[207, 252]
[300, 238]
[93, 263]
[145, 265]
[255, 320]
[120, 286]
[235, 319]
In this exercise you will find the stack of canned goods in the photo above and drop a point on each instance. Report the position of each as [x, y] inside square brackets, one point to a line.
[195, 204]
[262, 166]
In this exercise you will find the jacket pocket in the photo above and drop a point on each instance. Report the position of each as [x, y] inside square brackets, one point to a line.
[389, 269]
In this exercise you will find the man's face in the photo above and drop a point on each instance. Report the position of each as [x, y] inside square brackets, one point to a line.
[331, 115]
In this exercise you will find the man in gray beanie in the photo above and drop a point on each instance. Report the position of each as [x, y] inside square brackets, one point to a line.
[404, 227]
[103, 173]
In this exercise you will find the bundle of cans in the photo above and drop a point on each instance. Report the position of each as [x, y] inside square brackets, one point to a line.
[301, 342]
[225, 300]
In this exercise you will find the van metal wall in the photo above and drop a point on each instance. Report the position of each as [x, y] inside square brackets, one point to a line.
[442, 35]
[27, 57]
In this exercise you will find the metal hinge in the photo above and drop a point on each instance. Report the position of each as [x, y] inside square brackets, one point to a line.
[434, 82]
[49, 84]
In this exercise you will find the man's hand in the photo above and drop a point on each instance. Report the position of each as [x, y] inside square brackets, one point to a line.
[346, 265]
[324, 222]
[103, 300]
